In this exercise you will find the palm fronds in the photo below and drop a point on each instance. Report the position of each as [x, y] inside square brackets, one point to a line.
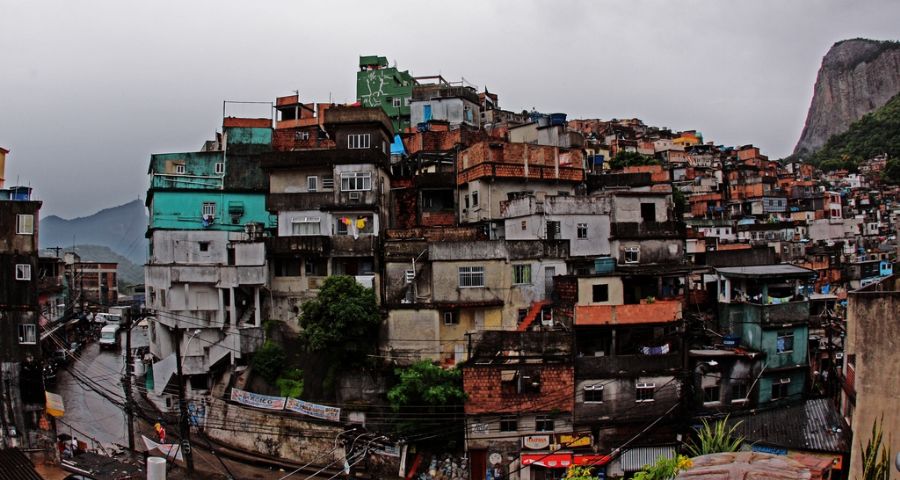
[715, 438]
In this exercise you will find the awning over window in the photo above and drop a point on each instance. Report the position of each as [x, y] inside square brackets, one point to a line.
[548, 460]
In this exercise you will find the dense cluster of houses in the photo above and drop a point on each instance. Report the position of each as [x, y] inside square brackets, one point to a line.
[595, 307]
[583, 302]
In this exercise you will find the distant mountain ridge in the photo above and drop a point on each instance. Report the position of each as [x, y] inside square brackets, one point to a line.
[121, 229]
[857, 77]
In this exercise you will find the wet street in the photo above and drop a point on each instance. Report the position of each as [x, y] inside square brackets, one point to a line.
[91, 388]
[87, 412]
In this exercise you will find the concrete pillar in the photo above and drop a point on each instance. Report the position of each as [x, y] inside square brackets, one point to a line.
[232, 309]
[220, 313]
[256, 313]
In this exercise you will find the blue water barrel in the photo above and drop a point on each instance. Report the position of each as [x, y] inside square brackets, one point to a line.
[557, 119]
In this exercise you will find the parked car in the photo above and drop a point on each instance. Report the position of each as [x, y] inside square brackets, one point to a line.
[61, 356]
[108, 318]
[108, 336]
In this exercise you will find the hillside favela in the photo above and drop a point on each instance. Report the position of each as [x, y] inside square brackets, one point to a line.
[431, 265]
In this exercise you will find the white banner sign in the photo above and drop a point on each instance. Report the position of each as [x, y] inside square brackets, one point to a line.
[256, 400]
[314, 410]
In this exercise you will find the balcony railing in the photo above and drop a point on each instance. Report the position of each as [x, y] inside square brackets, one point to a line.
[592, 367]
[660, 311]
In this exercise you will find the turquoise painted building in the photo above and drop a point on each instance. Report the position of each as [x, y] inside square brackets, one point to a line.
[218, 188]
[765, 309]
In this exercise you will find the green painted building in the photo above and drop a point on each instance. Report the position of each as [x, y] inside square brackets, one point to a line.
[765, 308]
[378, 85]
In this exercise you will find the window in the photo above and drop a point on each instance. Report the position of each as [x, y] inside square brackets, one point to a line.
[475, 198]
[406, 101]
[780, 388]
[209, 209]
[179, 169]
[632, 254]
[600, 293]
[582, 230]
[28, 334]
[25, 224]
[23, 271]
[302, 135]
[739, 391]
[220, 168]
[711, 394]
[543, 423]
[466, 204]
[306, 226]
[785, 341]
[524, 225]
[509, 424]
[648, 212]
[356, 181]
[471, 277]
[396, 102]
[204, 246]
[593, 394]
[409, 276]
[450, 318]
[522, 274]
[162, 297]
[312, 183]
[552, 230]
[287, 267]
[358, 140]
[328, 182]
[644, 392]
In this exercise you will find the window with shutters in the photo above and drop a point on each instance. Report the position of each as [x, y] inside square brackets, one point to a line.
[522, 274]
[25, 224]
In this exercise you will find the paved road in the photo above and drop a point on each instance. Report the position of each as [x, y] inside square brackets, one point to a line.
[92, 415]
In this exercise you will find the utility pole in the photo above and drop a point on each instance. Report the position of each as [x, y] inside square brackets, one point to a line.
[184, 427]
[126, 381]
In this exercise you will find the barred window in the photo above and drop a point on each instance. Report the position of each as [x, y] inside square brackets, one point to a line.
[471, 277]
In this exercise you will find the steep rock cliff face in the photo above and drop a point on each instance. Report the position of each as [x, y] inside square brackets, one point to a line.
[856, 77]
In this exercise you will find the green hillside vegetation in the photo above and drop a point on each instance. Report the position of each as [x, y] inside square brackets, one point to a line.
[873, 134]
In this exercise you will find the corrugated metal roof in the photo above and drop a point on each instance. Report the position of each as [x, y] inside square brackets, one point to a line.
[811, 425]
[635, 459]
[14, 465]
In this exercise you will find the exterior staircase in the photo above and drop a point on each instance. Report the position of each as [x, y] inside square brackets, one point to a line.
[533, 313]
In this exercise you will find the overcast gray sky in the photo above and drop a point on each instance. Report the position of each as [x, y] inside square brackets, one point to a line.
[89, 89]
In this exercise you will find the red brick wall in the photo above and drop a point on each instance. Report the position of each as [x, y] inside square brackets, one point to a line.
[483, 385]
[437, 219]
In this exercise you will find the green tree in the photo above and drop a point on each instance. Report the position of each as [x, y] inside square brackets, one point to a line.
[426, 384]
[342, 321]
[268, 361]
[630, 159]
[576, 472]
[715, 438]
[891, 173]
[425, 390]
[875, 468]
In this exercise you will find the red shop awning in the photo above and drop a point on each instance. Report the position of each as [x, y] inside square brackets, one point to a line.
[548, 460]
[591, 460]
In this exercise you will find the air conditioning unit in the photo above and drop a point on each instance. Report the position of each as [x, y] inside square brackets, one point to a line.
[355, 196]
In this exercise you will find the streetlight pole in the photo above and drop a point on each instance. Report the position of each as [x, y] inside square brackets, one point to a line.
[126, 381]
[183, 425]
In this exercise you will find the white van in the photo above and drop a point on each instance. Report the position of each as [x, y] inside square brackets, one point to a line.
[108, 338]
[108, 319]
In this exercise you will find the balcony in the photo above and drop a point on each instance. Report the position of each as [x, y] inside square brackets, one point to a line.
[628, 365]
[660, 311]
[347, 246]
[772, 314]
[306, 244]
[640, 230]
[277, 202]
